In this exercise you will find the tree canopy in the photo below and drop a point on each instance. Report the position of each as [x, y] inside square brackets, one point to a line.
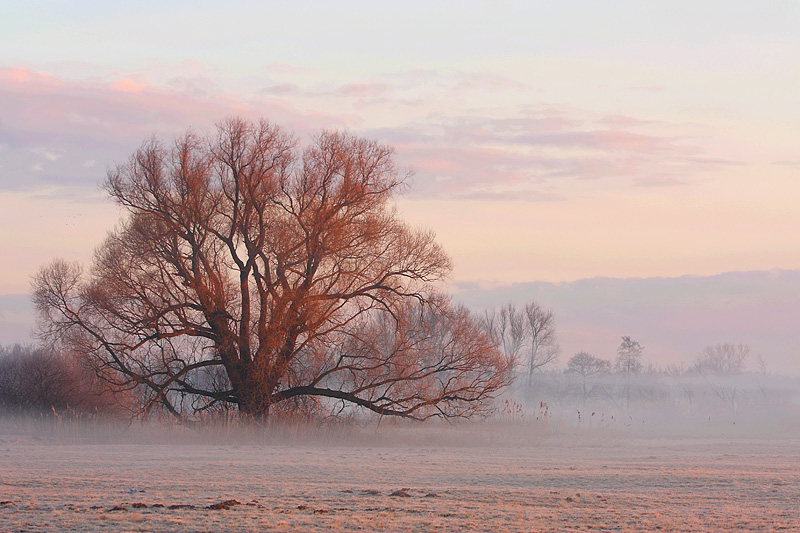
[586, 365]
[629, 357]
[250, 271]
[722, 359]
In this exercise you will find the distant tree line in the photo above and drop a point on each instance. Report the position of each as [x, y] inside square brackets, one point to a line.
[723, 359]
[715, 377]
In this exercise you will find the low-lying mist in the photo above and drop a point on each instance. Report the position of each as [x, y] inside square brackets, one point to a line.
[554, 405]
[685, 404]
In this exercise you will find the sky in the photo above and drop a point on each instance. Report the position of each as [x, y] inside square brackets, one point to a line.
[550, 142]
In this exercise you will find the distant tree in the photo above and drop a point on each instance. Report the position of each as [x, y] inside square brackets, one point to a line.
[676, 370]
[543, 348]
[723, 359]
[586, 365]
[629, 357]
[507, 327]
[628, 363]
[527, 336]
[720, 360]
[250, 272]
[761, 364]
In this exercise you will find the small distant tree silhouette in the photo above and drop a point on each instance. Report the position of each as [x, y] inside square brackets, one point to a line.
[587, 365]
[526, 336]
[629, 362]
[724, 359]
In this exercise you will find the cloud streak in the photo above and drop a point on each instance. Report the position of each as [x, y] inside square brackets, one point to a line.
[478, 157]
[52, 128]
[516, 150]
[54, 131]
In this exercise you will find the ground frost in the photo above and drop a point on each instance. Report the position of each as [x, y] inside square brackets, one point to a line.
[564, 483]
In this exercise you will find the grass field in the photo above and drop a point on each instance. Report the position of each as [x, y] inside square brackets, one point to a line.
[471, 479]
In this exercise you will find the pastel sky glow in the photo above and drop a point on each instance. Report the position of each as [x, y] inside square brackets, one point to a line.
[550, 141]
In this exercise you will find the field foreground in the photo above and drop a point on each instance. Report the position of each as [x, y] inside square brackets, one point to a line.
[562, 482]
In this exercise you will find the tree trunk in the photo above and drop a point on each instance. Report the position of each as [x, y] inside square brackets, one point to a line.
[252, 391]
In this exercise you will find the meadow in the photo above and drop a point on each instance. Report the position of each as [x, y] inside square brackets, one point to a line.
[502, 476]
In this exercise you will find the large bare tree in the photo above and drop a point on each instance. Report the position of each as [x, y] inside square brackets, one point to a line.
[247, 271]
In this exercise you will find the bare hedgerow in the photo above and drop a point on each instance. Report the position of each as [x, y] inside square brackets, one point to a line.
[43, 381]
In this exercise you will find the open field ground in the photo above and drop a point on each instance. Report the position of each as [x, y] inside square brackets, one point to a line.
[556, 481]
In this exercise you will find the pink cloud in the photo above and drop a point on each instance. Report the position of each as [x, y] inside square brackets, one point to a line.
[539, 143]
[127, 85]
[607, 140]
[42, 105]
[623, 140]
[468, 156]
[104, 121]
[18, 75]
[713, 162]
[453, 156]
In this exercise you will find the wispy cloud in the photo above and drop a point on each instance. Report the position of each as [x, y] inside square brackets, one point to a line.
[50, 155]
[514, 150]
[354, 91]
[53, 127]
[55, 131]
[195, 86]
[479, 157]
[128, 85]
